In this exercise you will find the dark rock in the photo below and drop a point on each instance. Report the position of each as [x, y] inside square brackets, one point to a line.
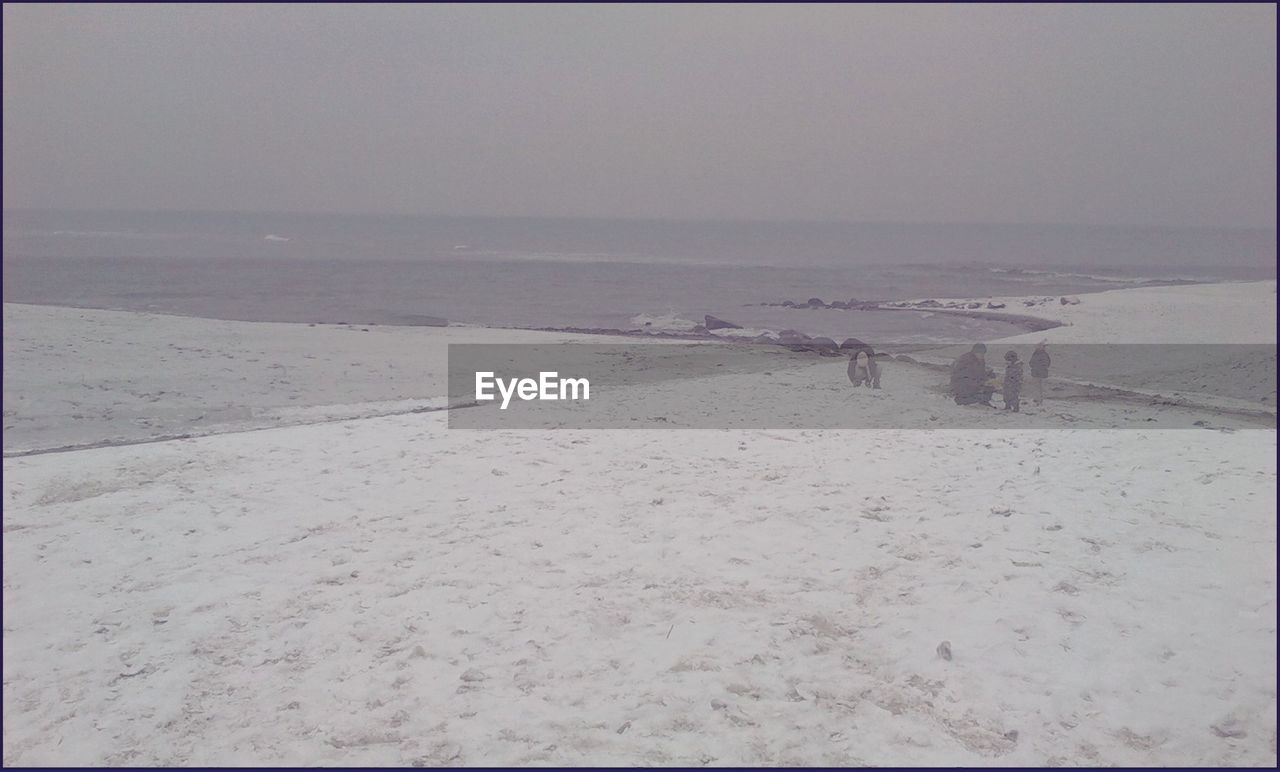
[1064, 301]
[791, 337]
[905, 358]
[974, 305]
[720, 324]
[824, 345]
[699, 330]
[787, 304]
[851, 343]
[995, 305]
[840, 304]
[816, 303]
[929, 304]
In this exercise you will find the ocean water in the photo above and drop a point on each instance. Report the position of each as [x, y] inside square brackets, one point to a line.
[590, 274]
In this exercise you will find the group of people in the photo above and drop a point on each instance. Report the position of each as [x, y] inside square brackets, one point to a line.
[973, 383]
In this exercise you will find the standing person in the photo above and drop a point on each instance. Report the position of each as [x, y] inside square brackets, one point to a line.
[875, 361]
[1012, 381]
[969, 377]
[1039, 371]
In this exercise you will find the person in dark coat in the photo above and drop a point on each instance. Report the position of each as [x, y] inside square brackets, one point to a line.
[969, 378]
[1039, 371]
[863, 367]
[1012, 381]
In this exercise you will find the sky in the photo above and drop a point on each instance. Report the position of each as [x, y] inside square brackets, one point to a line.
[1095, 114]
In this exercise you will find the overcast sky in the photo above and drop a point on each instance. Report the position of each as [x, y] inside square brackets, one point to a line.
[1161, 115]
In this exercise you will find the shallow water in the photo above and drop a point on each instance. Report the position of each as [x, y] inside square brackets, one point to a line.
[587, 274]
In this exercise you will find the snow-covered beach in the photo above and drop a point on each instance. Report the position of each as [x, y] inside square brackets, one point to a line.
[369, 587]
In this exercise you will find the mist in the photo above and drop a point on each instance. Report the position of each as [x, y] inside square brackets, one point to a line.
[1131, 114]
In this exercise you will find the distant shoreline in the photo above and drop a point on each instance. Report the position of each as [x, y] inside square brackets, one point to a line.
[1030, 323]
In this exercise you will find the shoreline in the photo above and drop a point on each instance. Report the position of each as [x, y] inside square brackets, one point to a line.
[191, 376]
[1029, 322]
[1032, 323]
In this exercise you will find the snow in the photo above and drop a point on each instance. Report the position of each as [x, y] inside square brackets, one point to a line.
[370, 587]
[1238, 312]
[124, 376]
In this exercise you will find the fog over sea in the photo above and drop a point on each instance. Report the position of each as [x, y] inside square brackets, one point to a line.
[594, 274]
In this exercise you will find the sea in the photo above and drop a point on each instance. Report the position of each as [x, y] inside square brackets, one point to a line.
[603, 275]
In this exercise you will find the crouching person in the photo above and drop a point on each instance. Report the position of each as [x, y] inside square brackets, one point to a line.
[864, 370]
[969, 378]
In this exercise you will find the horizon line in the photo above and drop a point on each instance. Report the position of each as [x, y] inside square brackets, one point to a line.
[617, 219]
